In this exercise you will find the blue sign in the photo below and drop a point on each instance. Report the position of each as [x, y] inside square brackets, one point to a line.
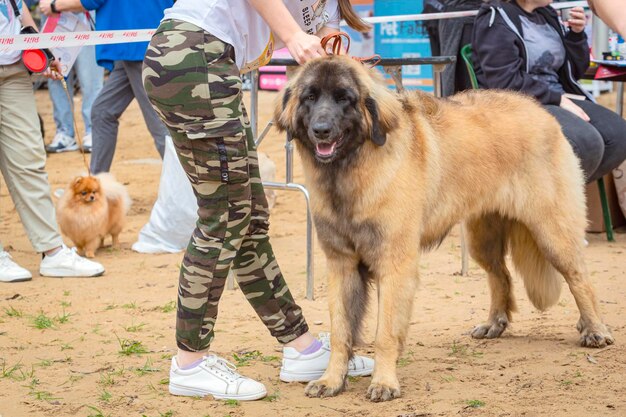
[404, 40]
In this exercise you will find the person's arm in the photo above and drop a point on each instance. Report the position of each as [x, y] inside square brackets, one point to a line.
[62, 6]
[612, 12]
[575, 42]
[301, 45]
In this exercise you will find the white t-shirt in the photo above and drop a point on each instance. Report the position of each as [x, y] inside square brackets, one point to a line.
[237, 23]
[9, 25]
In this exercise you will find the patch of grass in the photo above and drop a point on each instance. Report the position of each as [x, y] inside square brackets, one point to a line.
[63, 318]
[448, 378]
[96, 412]
[111, 307]
[164, 381]
[273, 397]
[107, 380]
[66, 346]
[105, 396]
[459, 351]
[244, 358]
[12, 312]
[566, 382]
[131, 347]
[130, 306]
[475, 403]
[45, 362]
[42, 321]
[146, 368]
[9, 371]
[232, 403]
[403, 361]
[43, 396]
[133, 328]
[169, 307]
[168, 413]
[65, 304]
[270, 358]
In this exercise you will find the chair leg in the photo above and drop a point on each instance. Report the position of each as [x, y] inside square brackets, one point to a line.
[606, 214]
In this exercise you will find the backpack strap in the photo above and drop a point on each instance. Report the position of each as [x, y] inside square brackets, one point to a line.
[16, 9]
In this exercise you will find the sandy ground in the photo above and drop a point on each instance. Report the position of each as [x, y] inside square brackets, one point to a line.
[76, 366]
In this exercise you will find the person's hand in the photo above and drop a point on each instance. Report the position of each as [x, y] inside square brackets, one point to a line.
[569, 105]
[54, 71]
[577, 19]
[44, 7]
[304, 47]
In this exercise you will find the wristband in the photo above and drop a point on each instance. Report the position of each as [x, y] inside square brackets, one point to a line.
[53, 6]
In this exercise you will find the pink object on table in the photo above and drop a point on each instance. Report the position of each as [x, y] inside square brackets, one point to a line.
[274, 77]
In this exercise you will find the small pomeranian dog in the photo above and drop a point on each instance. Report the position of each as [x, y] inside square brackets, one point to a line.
[91, 208]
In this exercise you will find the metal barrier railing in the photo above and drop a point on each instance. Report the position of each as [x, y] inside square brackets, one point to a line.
[393, 67]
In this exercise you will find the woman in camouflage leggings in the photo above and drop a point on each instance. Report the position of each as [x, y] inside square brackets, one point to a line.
[193, 80]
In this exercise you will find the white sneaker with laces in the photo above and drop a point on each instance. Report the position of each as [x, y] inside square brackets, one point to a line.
[67, 263]
[87, 143]
[216, 377]
[304, 368]
[62, 143]
[10, 271]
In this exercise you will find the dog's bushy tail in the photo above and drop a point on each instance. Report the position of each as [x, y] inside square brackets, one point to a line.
[113, 190]
[541, 279]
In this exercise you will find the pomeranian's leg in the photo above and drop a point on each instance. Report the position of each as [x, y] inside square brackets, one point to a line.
[116, 240]
[92, 246]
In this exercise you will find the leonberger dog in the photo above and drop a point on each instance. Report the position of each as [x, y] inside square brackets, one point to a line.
[390, 174]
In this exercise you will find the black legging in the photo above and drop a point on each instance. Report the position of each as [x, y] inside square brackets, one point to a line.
[600, 144]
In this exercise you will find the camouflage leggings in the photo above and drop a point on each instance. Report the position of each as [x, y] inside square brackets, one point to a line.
[193, 82]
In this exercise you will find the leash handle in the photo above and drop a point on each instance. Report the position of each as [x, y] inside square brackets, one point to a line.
[335, 48]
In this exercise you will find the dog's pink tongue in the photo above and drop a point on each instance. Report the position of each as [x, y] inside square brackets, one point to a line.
[325, 149]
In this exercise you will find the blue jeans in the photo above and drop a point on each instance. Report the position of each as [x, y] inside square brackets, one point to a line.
[90, 78]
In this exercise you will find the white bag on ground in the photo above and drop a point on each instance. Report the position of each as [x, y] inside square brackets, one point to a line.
[173, 217]
[619, 175]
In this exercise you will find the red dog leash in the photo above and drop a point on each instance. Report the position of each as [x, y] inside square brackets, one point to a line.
[333, 45]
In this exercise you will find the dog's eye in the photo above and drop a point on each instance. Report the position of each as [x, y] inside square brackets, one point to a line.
[311, 97]
[84, 193]
[342, 98]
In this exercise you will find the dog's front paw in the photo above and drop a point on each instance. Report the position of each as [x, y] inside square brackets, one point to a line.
[490, 330]
[378, 392]
[324, 388]
[594, 336]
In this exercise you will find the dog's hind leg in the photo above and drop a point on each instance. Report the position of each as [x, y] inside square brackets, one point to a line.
[562, 245]
[488, 245]
[347, 297]
[397, 279]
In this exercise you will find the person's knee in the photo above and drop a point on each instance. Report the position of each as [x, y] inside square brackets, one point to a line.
[589, 148]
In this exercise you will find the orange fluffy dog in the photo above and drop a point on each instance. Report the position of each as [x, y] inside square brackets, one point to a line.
[92, 208]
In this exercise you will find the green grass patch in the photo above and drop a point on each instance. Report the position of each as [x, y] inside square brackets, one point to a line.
[12, 312]
[131, 347]
[475, 403]
[41, 321]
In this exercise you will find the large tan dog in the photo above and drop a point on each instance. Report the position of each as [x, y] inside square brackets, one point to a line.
[390, 175]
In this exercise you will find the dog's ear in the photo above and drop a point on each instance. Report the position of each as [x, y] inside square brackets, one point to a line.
[78, 180]
[379, 135]
[283, 112]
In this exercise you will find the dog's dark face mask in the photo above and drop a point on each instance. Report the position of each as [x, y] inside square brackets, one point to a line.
[330, 112]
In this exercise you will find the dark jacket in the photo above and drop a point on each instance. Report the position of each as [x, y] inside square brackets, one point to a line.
[501, 58]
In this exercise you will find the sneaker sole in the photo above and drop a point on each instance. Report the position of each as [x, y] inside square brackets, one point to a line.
[313, 376]
[18, 279]
[62, 150]
[195, 392]
[59, 273]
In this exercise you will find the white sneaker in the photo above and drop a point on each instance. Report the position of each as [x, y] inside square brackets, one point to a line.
[62, 143]
[10, 271]
[304, 368]
[87, 143]
[214, 376]
[67, 263]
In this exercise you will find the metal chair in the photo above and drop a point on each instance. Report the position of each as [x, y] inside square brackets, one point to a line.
[466, 54]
